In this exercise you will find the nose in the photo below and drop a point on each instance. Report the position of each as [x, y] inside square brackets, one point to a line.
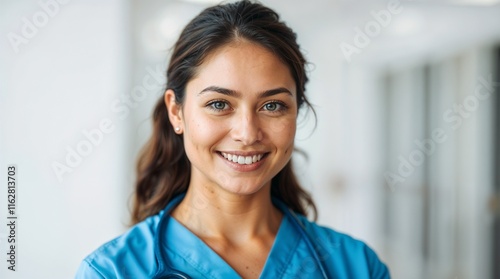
[246, 129]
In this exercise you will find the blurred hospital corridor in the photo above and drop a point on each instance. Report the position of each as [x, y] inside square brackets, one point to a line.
[404, 151]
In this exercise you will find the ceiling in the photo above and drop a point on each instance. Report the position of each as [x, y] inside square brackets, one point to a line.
[420, 30]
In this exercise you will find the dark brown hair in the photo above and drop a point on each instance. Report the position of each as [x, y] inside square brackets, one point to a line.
[163, 169]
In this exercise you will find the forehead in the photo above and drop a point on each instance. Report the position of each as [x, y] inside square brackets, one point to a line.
[243, 66]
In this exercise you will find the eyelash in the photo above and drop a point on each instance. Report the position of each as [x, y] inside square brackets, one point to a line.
[211, 104]
[282, 106]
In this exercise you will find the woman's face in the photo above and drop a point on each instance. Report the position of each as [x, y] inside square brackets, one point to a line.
[238, 119]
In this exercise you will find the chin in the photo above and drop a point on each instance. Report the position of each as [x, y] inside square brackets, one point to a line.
[243, 189]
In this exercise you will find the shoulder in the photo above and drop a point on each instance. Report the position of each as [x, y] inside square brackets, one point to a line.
[131, 253]
[346, 256]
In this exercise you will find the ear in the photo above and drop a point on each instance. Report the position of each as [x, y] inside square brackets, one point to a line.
[174, 111]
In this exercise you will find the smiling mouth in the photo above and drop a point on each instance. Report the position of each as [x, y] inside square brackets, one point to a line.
[243, 160]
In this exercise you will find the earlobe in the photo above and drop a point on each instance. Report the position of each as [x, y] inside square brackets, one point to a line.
[174, 110]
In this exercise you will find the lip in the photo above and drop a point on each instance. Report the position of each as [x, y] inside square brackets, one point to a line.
[244, 168]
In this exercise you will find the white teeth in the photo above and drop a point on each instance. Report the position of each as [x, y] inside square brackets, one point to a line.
[242, 160]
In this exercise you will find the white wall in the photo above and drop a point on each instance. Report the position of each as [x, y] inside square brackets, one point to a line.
[90, 57]
[61, 81]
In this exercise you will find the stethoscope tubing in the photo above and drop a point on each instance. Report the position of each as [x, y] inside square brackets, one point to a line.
[166, 271]
[311, 243]
[161, 262]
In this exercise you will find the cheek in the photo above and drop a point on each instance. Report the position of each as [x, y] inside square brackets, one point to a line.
[283, 132]
[282, 126]
[202, 132]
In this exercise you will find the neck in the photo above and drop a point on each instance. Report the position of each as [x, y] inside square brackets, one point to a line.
[222, 215]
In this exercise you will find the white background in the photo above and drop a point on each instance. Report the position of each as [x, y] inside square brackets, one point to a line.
[77, 67]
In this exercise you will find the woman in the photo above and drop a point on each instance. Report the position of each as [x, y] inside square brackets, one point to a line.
[216, 195]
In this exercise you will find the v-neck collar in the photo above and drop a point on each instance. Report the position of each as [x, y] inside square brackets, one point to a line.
[285, 244]
[186, 250]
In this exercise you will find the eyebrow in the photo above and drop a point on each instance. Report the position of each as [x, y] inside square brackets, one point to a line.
[233, 93]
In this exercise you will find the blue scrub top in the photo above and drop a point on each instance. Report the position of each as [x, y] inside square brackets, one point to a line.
[131, 255]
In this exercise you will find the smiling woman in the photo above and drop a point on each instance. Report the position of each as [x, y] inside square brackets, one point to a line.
[216, 195]
[231, 106]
